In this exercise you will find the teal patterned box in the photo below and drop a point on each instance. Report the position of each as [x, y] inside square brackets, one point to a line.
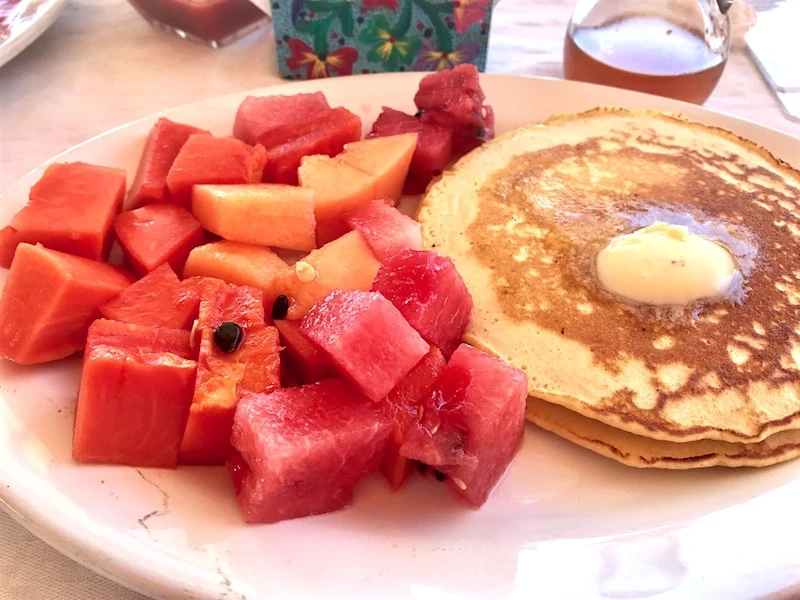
[327, 38]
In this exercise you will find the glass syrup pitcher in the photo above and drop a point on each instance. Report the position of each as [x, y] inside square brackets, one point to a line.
[673, 48]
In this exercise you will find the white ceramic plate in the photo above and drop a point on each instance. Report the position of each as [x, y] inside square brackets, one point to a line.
[564, 523]
[23, 22]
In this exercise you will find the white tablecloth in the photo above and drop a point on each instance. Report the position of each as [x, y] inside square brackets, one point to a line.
[100, 66]
[31, 570]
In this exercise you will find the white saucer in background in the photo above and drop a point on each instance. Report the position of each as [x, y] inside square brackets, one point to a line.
[27, 20]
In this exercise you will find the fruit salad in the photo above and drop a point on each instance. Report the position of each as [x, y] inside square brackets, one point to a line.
[202, 345]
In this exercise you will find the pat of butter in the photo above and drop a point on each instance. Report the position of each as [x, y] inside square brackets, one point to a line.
[665, 264]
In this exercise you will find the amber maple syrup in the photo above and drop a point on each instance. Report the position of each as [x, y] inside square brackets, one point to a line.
[647, 54]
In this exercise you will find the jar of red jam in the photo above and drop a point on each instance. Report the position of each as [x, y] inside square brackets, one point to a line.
[212, 22]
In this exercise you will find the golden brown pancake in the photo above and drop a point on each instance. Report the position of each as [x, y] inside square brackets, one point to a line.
[523, 218]
[638, 451]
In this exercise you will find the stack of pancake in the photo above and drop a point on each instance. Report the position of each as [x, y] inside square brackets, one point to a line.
[714, 382]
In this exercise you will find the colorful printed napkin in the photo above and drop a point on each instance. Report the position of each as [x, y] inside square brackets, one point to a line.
[326, 38]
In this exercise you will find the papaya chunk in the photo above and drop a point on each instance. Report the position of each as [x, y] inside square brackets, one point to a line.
[156, 234]
[163, 144]
[223, 377]
[159, 299]
[49, 301]
[208, 159]
[135, 392]
[70, 209]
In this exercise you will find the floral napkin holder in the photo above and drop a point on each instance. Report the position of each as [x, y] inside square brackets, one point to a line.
[326, 38]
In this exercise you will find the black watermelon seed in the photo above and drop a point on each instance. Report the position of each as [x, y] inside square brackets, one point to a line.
[418, 114]
[439, 476]
[422, 467]
[228, 337]
[280, 308]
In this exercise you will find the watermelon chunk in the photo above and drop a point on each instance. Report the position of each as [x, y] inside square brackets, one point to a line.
[402, 406]
[385, 228]
[324, 133]
[136, 388]
[429, 293]
[346, 263]
[222, 378]
[310, 364]
[289, 377]
[366, 339]
[163, 144]
[240, 473]
[156, 234]
[159, 299]
[331, 120]
[453, 98]
[434, 146]
[240, 264]
[403, 402]
[69, 209]
[303, 450]
[213, 160]
[49, 301]
[472, 424]
[257, 116]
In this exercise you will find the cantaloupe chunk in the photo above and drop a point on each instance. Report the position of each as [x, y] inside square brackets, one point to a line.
[434, 146]
[385, 159]
[240, 264]
[346, 263]
[338, 187]
[365, 171]
[264, 214]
